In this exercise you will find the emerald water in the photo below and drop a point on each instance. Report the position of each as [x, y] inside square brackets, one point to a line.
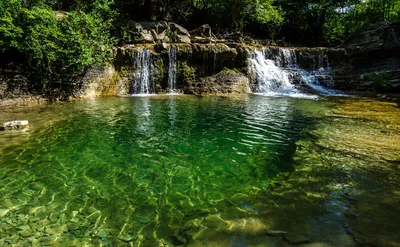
[202, 171]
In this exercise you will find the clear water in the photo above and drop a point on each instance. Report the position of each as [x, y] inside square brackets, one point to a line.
[210, 171]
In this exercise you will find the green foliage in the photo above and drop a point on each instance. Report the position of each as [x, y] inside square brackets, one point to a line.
[127, 32]
[56, 43]
[353, 16]
[172, 35]
[187, 72]
[379, 80]
[10, 31]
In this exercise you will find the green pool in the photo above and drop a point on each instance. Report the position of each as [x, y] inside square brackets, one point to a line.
[202, 171]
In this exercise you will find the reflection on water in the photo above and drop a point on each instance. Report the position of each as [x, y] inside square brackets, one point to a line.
[171, 171]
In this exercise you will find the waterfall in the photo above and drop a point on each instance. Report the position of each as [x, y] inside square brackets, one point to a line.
[172, 70]
[143, 83]
[270, 78]
[276, 71]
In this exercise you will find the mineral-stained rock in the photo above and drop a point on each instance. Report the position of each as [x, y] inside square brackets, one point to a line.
[225, 82]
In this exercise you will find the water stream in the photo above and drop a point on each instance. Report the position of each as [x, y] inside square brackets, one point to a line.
[172, 70]
[276, 71]
[143, 83]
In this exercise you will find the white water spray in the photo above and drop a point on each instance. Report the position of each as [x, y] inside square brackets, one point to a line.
[277, 68]
[270, 78]
[172, 70]
[143, 83]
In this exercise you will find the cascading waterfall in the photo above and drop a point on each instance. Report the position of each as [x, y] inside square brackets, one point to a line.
[270, 78]
[172, 70]
[277, 68]
[143, 83]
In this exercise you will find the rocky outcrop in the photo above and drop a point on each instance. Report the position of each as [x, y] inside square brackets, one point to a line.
[169, 32]
[371, 61]
[161, 32]
[202, 34]
[384, 36]
[225, 82]
[104, 82]
[194, 61]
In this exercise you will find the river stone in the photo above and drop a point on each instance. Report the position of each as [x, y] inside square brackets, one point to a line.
[26, 233]
[16, 124]
[144, 219]
[126, 238]
[3, 211]
[214, 222]
[8, 203]
[53, 218]
[102, 233]
[294, 238]
[34, 219]
[94, 216]
[273, 232]
[62, 229]
[74, 213]
[22, 227]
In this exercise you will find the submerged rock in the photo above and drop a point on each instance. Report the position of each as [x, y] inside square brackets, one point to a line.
[3, 211]
[16, 124]
[102, 233]
[294, 238]
[273, 232]
[126, 238]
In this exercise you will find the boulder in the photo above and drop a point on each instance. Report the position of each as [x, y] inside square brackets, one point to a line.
[202, 34]
[17, 124]
[162, 32]
[145, 35]
[181, 34]
[382, 36]
[234, 37]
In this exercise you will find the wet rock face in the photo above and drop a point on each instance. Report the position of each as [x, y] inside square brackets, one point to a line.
[225, 82]
[193, 62]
